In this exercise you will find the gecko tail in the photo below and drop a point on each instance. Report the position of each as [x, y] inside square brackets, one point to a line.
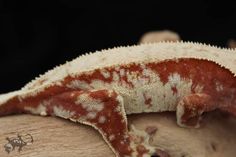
[9, 103]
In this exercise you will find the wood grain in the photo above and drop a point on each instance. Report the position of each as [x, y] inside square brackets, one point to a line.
[55, 137]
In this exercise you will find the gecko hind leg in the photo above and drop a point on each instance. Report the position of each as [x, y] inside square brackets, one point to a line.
[101, 109]
[191, 107]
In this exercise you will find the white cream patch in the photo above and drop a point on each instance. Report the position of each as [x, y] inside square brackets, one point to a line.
[92, 106]
[198, 89]
[89, 104]
[219, 86]
[43, 113]
[118, 109]
[132, 77]
[61, 112]
[91, 115]
[72, 95]
[180, 113]
[174, 79]
[146, 72]
[115, 76]
[117, 68]
[102, 119]
[110, 93]
[122, 72]
[106, 74]
[77, 84]
[142, 66]
[40, 109]
[111, 137]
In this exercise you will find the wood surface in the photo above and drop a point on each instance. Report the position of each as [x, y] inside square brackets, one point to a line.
[55, 137]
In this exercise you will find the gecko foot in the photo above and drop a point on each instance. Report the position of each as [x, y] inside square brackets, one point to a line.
[190, 109]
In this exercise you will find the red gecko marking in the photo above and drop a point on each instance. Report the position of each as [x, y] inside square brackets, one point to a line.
[151, 130]
[147, 100]
[141, 150]
[174, 90]
[97, 74]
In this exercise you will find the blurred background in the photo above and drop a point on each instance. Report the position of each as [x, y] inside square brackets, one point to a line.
[37, 35]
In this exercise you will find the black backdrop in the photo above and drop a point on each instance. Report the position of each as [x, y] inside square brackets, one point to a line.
[37, 35]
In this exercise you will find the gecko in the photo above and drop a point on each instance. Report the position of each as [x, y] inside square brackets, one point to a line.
[100, 89]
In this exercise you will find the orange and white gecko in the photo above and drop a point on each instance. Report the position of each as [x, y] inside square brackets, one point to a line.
[99, 89]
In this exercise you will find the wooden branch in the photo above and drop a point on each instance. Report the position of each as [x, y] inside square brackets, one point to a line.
[55, 137]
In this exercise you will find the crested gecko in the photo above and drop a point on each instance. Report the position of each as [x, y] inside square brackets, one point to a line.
[100, 89]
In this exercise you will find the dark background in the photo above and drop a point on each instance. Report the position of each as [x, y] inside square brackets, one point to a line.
[37, 35]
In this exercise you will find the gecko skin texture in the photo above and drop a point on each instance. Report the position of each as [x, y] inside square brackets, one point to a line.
[99, 89]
